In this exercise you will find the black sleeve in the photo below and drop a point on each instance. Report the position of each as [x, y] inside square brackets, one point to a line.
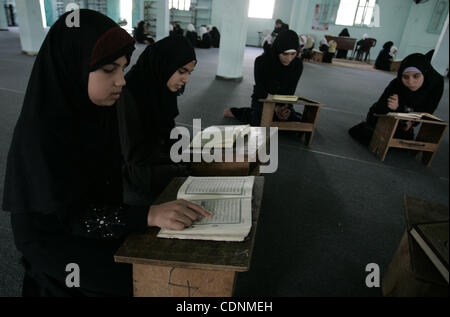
[435, 96]
[107, 222]
[381, 106]
[292, 86]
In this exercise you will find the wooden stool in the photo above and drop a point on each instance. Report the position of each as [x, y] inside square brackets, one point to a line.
[309, 119]
[411, 272]
[427, 141]
[395, 65]
[317, 56]
[188, 268]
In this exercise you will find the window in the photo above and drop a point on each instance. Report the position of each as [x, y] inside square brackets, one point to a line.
[262, 9]
[356, 12]
[184, 5]
[438, 18]
[126, 11]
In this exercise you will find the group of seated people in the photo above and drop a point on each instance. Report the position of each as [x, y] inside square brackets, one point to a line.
[100, 146]
[207, 37]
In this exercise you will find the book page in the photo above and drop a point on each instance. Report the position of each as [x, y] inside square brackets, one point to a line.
[231, 217]
[204, 188]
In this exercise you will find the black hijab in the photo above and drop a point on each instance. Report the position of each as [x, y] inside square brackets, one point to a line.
[344, 32]
[60, 132]
[147, 81]
[278, 78]
[387, 46]
[427, 97]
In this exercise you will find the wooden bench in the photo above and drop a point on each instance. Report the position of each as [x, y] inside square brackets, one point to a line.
[250, 165]
[309, 118]
[411, 273]
[395, 65]
[427, 141]
[188, 268]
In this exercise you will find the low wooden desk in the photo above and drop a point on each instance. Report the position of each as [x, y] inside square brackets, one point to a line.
[343, 42]
[317, 56]
[251, 163]
[427, 141]
[188, 268]
[395, 65]
[411, 272]
[309, 119]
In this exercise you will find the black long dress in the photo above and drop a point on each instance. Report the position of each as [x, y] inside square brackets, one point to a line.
[426, 99]
[272, 77]
[383, 61]
[343, 53]
[147, 111]
[63, 178]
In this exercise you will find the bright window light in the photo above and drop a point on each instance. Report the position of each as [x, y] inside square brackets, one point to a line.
[44, 16]
[126, 12]
[346, 12]
[180, 4]
[262, 9]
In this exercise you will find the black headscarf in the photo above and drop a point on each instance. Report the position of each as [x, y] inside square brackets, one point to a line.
[60, 133]
[344, 32]
[425, 99]
[276, 77]
[387, 46]
[147, 81]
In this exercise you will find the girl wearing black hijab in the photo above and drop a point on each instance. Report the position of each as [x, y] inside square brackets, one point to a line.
[147, 111]
[277, 72]
[63, 181]
[384, 59]
[343, 53]
[417, 88]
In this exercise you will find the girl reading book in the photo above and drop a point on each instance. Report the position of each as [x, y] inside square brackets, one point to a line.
[277, 72]
[147, 110]
[417, 88]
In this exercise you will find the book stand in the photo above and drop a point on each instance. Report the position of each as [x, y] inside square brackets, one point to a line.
[427, 141]
[411, 272]
[188, 268]
[309, 119]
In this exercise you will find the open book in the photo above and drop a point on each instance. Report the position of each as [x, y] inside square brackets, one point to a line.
[229, 199]
[291, 98]
[219, 136]
[413, 116]
[433, 239]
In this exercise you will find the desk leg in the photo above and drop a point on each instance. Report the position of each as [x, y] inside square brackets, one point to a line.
[163, 281]
[431, 133]
[384, 132]
[267, 114]
[310, 115]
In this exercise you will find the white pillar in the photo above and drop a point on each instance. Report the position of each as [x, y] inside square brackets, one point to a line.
[162, 19]
[232, 39]
[3, 19]
[31, 28]
[440, 58]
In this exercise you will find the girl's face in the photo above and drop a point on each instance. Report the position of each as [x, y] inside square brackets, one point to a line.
[105, 84]
[180, 77]
[287, 58]
[413, 80]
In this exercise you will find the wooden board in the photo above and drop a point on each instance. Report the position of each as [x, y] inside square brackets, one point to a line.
[211, 255]
[161, 281]
[343, 42]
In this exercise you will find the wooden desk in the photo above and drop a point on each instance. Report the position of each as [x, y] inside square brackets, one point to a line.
[395, 65]
[188, 268]
[309, 119]
[343, 43]
[251, 164]
[427, 141]
[411, 273]
[317, 56]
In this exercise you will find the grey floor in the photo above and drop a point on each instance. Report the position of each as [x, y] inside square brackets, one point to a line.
[329, 210]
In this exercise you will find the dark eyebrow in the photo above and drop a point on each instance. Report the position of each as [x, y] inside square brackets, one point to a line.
[117, 65]
[186, 70]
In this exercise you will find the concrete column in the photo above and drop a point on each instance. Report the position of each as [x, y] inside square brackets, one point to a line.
[440, 57]
[31, 28]
[299, 14]
[162, 19]
[233, 37]
[3, 19]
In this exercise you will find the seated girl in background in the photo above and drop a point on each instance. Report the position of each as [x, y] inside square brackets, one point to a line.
[384, 59]
[277, 72]
[417, 88]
